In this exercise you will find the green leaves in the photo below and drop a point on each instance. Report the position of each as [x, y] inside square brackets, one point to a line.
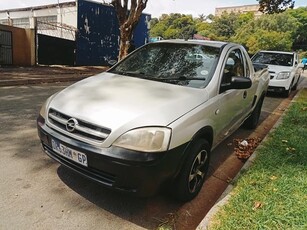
[174, 26]
[275, 6]
[283, 31]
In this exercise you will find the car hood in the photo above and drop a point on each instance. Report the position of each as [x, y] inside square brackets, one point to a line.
[120, 102]
[278, 69]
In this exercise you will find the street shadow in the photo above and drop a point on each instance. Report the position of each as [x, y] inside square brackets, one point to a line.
[144, 212]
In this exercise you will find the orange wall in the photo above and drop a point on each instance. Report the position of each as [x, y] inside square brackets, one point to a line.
[23, 45]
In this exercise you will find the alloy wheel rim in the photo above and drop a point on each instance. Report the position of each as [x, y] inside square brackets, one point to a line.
[197, 172]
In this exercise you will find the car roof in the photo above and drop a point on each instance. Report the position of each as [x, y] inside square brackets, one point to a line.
[217, 44]
[274, 51]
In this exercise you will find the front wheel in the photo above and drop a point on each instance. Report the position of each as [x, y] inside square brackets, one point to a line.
[295, 86]
[193, 173]
[287, 93]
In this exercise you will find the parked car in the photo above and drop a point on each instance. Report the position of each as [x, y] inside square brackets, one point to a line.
[151, 121]
[284, 67]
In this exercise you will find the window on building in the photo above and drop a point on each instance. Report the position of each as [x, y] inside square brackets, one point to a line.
[21, 22]
[47, 22]
[50, 19]
[4, 21]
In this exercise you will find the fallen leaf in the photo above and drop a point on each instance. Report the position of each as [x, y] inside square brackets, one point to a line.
[273, 177]
[257, 205]
[243, 152]
[290, 149]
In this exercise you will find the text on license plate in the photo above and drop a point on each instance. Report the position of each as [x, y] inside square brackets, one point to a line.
[69, 153]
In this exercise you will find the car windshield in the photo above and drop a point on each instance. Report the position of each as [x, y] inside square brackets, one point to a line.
[175, 63]
[273, 58]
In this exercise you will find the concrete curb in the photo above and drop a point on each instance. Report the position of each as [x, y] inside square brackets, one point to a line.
[226, 195]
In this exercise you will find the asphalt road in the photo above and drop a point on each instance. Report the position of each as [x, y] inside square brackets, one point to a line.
[38, 193]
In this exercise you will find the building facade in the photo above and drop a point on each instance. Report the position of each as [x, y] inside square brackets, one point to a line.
[56, 20]
[80, 32]
[239, 9]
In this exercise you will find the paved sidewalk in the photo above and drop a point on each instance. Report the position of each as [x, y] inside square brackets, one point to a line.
[10, 76]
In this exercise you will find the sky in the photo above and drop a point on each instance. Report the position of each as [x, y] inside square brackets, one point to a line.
[155, 7]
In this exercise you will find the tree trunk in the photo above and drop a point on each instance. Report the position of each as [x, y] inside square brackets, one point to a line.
[128, 20]
[125, 41]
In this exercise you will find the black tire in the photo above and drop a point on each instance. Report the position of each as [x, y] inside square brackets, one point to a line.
[252, 121]
[295, 86]
[286, 93]
[193, 172]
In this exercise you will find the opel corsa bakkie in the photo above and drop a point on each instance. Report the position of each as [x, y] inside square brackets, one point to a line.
[151, 121]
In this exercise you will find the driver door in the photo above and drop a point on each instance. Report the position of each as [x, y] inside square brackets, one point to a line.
[233, 103]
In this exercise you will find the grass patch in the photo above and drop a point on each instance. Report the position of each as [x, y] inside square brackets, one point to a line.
[272, 194]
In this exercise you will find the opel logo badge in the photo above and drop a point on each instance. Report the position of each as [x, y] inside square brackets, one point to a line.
[71, 124]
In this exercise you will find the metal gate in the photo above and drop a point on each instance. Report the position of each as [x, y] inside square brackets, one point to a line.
[55, 44]
[6, 57]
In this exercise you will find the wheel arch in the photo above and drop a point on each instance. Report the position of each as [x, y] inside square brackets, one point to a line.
[205, 133]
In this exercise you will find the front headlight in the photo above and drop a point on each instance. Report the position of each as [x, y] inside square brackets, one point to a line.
[150, 139]
[43, 110]
[283, 75]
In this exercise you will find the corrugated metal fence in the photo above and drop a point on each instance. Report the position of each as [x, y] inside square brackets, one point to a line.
[6, 57]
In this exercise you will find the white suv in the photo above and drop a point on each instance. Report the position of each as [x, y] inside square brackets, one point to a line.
[284, 68]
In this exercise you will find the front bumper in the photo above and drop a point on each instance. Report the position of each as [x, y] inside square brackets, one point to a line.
[279, 85]
[134, 172]
[276, 89]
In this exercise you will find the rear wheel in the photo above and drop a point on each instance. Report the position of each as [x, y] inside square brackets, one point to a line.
[252, 121]
[193, 173]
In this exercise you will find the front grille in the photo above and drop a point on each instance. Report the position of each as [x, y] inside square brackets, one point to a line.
[82, 129]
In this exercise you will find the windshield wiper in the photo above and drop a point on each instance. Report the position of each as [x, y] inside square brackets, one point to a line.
[129, 73]
[183, 79]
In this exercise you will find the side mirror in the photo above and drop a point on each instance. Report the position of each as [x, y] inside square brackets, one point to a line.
[237, 83]
[300, 65]
[241, 83]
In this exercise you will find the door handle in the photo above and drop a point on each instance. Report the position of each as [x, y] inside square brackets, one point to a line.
[245, 94]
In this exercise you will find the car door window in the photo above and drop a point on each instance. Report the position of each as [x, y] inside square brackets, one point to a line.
[234, 66]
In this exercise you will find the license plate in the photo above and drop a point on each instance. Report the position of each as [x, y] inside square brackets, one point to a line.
[69, 153]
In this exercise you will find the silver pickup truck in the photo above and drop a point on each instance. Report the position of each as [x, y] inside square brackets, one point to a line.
[151, 121]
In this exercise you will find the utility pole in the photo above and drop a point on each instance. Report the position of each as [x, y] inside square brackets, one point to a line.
[61, 19]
